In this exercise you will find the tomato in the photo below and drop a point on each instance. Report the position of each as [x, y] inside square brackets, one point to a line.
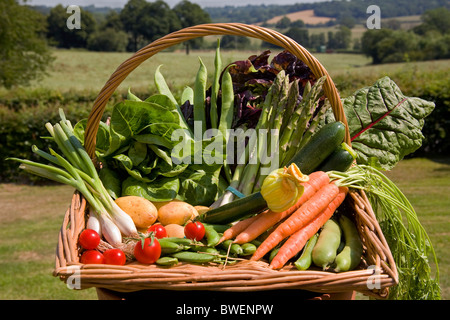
[147, 251]
[114, 256]
[194, 230]
[159, 230]
[92, 257]
[89, 239]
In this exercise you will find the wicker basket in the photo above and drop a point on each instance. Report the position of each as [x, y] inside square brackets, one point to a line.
[375, 275]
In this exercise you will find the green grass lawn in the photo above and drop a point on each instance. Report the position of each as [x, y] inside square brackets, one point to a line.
[31, 216]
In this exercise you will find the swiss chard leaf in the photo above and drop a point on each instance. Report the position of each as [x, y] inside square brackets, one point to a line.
[384, 124]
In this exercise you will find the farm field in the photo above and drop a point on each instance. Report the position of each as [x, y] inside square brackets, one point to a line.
[30, 216]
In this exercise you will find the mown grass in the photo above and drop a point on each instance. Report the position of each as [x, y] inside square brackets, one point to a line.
[31, 216]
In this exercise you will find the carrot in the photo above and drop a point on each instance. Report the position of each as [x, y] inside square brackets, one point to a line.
[297, 241]
[301, 217]
[237, 228]
[269, 218]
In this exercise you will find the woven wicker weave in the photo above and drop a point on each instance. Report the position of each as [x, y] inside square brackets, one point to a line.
[374, 277]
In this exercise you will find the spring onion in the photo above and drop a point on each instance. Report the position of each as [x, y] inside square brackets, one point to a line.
[77, 170]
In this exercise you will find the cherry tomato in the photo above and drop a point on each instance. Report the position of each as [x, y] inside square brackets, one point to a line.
[114, 256]
[194, 230]
[92, 257]
[89, 239]
[147, 251]
[159, 230]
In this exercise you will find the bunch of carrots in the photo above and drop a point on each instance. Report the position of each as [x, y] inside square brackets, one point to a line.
[295, 226]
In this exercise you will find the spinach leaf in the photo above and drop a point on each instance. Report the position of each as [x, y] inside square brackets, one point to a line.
[163, 189]
[102, 142]
[199, 184]
[111, 181]
[131, 118]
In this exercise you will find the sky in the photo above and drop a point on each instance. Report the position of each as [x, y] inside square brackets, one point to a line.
[171, 3]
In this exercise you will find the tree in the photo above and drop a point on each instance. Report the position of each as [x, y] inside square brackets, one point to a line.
[191, 14]
[24, 54]
[112, 20]
[147, 21]
[108, 40]
[234, 42]
[129, 16]
[341, 39]
[437, 20]
[283, 23]
[62, 36]
[299, 35]
[156, 19]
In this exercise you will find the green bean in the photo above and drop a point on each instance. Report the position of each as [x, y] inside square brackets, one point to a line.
[200, 95]
[167, 261]
[273, 253]
[187, 95]
[212, 236]
[248, 249]
[220, 228]
[256, 242]
[169, 246]
[324, 251]
[305, 259]
[350, 256]
[164, 89]
[226, 114]
[235, 248]
[193, 257]
[183, 241]
[215, 87]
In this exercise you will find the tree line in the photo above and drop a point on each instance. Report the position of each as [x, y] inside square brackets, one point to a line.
[137, 24]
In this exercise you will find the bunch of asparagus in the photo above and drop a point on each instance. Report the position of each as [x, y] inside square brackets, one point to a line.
[290, 120]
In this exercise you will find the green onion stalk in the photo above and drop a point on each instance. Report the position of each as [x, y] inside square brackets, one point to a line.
[409, 243]
[77, 170]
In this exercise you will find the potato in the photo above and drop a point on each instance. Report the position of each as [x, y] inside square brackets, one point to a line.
[141, 210]
[202, 209]
[175, 230]
[159, 204]
[178, 212]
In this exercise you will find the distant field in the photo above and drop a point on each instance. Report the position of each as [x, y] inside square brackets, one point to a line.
[307, 16]
[84, 71]
[89, 71]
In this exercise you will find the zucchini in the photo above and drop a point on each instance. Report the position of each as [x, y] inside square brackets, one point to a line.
[236, 210]
[319, 147]
[340, 160]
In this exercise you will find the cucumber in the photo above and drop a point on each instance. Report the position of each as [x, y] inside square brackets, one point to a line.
[319, 147]
[235, 210]
[340, 160]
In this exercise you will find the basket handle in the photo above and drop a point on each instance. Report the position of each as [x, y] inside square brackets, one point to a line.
[174, 38]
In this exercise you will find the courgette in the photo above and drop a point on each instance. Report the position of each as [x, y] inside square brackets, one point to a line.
[340, 160]
[233, 211]
[319, 147]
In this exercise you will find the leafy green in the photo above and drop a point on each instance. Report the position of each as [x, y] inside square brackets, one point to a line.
[136, 152]
[163, 189]
[383, 123]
